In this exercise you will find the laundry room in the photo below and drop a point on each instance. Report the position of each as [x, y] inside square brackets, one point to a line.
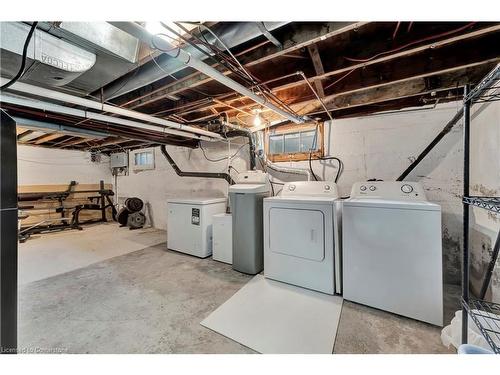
[250, 187]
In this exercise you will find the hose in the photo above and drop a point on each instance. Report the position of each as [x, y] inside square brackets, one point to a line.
[181, 173]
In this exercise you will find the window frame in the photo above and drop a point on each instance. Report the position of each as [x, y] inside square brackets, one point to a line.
[291, 129]
[143, 167]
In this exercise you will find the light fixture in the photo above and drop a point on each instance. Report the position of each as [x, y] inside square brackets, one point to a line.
[156, 27]
[257, 119]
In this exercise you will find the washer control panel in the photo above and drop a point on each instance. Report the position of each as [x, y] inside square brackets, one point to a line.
[388, 190]
[310, 188]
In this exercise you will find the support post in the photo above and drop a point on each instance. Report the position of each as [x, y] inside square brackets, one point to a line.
[8, 234]
[465, 259]
[103, 201]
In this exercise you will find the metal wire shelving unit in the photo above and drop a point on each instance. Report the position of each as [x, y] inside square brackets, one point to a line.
[486, 315]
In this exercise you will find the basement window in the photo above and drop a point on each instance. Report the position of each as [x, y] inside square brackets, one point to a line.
[143, 160]
[294, 142]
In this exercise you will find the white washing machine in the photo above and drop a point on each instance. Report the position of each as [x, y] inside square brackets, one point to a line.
[301, 236]
[189, 224]
[391, 248]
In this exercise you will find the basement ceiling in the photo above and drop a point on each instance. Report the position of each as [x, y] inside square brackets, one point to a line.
[357, 68]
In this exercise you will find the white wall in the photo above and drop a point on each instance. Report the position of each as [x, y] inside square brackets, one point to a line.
[158, 185]
[382, 146]
[39, 166]
[484, 181]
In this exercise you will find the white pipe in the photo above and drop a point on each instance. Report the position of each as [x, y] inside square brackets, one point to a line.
[59, 96]
[51, 107]
[189, 60]
[235, 127]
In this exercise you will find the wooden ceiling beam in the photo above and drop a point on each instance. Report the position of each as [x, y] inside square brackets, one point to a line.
[442, 55]
[394, 56]
[48, 138]
[400, 90]
[23, 133]
[302, 38]
[318, 68]
[447, 78]
[73, 142]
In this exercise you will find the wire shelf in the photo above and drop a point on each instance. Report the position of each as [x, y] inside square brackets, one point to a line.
[486, 316]
[488, 203]
[483, 91]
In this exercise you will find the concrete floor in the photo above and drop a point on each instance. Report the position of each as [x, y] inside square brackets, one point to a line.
[152, 301]
[50, 254]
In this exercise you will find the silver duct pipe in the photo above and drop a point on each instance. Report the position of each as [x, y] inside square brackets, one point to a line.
[51, 107]
[281, 169]
[59, 96]
[30, 124]
[232, 35]
[190, 60]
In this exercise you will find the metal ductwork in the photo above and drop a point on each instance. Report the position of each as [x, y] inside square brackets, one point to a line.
[165, 126]
[50, 60]
[190, 60]
[50, 127]
[180, 173]
[232, 34]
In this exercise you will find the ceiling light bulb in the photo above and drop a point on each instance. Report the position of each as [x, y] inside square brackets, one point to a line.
[154, 27]
[257, 120]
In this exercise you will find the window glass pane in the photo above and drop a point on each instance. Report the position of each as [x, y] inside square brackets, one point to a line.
[292, 142]
[306, 141]
[149, 158]
[275, 144]
[137, 160]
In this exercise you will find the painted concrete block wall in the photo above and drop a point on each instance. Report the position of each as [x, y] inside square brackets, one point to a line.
[382, 146]
[39, 166]
[157, 186]
[485, 181]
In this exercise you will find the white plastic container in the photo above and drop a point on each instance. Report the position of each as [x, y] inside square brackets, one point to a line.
[452, 333]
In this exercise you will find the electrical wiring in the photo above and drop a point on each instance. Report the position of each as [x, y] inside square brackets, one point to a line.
[412, 43]
[223, 158]
[396, 50]
[267, 93]
[325, 158]
[20, 72]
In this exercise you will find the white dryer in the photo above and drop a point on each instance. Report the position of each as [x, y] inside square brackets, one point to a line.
[301, 236]
[392, 258]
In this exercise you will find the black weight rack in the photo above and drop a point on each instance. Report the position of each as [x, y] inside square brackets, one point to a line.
[486, 315]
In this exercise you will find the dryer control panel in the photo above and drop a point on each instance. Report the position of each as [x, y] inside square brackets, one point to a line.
[397, 190]
[310, 189]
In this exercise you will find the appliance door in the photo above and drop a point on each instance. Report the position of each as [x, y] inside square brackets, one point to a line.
[299, 244]
[184, 229]
[298, 233]
[392, 260]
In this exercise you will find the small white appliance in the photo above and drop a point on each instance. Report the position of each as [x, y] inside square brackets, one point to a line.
[301, 236]
[392, 258]
[189, 224]
[222, 250]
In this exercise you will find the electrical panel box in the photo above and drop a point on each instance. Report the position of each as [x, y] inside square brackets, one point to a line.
[119, 160]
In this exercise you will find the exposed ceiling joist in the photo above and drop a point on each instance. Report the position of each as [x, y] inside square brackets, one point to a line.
[48, 138]
[311, 105]
[318, 68]
[300, 39]
[413, 51]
